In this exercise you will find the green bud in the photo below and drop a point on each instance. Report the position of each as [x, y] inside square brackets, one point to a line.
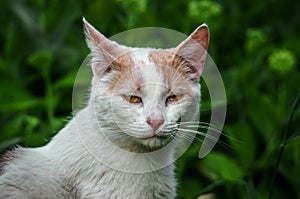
[255, 38]
[282, 61]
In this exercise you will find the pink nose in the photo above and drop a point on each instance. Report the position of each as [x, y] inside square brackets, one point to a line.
[155, 122]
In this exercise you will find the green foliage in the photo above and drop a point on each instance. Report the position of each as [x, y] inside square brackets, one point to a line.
[282, 61]
[204, 10]
[255, 38]
[255, 45]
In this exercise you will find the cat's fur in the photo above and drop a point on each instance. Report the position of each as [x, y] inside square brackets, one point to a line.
[97, 153]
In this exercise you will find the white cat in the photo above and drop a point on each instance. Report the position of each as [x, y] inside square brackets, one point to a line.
[122, 145]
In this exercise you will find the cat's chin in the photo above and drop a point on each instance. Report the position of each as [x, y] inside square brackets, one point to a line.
[154, 142]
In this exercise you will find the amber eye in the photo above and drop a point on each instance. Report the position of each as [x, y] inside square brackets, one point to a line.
[133, 99]
[173, 98]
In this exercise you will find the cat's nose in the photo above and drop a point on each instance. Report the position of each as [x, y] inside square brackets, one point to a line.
[155, 118]
[155, 122]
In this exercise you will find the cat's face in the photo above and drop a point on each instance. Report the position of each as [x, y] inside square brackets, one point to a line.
[142, 95]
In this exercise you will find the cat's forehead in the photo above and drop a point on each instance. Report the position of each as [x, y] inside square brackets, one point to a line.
[144, 68]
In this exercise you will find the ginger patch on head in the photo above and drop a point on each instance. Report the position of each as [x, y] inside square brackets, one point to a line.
[127, 75]
[164, 59]
[174, 69]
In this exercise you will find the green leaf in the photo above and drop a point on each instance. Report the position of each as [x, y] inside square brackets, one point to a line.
[27, 16]
[225, 167]
[243, 144]
[251, 189]
[34, 140]
[18, 105]
[294, 137]
[212, 186]
[41, 60]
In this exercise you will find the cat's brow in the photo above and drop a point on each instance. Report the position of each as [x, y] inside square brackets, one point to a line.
[168, 60]
[173, 69]
[123, 64]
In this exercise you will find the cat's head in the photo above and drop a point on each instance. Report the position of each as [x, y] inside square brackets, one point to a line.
[142, 96]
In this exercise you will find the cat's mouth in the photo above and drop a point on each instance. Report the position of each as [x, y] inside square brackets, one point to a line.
[156, 140]
[156, 136]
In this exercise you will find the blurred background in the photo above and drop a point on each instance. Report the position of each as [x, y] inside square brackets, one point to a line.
[255, 44]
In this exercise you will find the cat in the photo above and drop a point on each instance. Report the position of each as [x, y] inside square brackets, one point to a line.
[122, 144]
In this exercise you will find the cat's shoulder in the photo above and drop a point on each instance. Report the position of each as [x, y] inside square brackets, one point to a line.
[23, 158]
[10, 156]
[28, 172]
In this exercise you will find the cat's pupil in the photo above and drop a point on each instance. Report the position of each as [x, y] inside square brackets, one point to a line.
[172, 98]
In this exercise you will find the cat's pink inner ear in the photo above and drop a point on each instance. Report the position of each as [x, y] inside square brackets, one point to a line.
[194, 50]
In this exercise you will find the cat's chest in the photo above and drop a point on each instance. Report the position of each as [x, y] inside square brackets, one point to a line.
[116, 184]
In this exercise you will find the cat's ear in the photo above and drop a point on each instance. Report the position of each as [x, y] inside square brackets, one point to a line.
[104, 52]
[194, 49]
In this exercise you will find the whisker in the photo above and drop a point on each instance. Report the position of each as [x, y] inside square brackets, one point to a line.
[187, 131]
[188, 138]
[200, 123]
[212, 127]
[211, 137]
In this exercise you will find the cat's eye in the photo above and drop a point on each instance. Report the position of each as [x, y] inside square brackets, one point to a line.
[173, 98]
[133, 99]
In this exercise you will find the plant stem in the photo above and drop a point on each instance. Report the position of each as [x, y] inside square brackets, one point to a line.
[283, 142]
